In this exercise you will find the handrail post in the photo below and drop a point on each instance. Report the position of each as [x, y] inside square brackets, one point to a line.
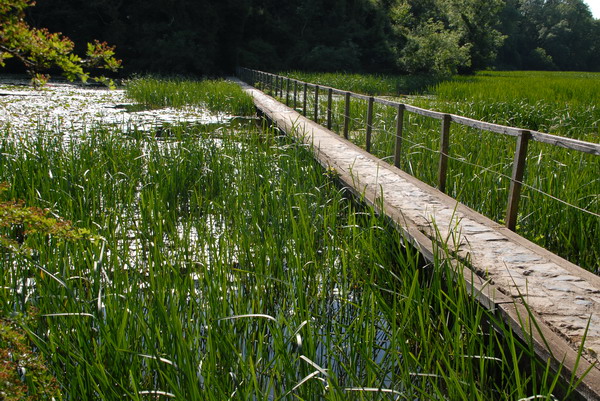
[295, 93]
[369, 123]
[444, 148]
[329, 101]
[399, 126]
[287, 92]
[272, 85]
[316, 103]
[347, 115]
[304, 99]
[516, 179]
[281, 87]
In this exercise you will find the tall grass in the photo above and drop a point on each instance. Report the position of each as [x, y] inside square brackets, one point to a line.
[368, 84]
[233, 267]
[481, 162]
[562, 103]
[214, 95]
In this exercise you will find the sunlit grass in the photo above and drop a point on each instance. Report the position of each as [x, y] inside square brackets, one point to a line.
[214, 95]
[378, 84]
[562, 103]
[234, 267]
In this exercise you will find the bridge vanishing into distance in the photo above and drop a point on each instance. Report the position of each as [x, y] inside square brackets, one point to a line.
[543, 297]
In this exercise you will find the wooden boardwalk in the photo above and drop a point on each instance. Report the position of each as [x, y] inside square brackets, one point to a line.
[507, 272]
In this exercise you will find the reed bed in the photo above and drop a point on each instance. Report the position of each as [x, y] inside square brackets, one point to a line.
[561, 103]
[230, 265]
[368, 84]
[213, 95]
[559, 183]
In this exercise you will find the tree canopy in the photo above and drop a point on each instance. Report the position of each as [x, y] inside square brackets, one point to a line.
[204, 37]
[39, 50]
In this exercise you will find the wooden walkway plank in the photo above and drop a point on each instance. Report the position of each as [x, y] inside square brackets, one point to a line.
[506, 269]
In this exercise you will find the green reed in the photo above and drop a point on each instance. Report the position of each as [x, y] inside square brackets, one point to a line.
[213, 95]
[232, 266]
[368, 84]
[561, 103]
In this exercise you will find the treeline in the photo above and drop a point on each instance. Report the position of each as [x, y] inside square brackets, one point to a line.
[210, 37]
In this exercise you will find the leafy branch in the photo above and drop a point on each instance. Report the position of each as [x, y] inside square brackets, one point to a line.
[39, 49]
[18, 222]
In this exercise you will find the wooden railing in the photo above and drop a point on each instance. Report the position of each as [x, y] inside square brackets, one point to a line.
[277, 83]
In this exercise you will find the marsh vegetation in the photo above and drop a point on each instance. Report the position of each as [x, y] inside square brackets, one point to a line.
[228, 264]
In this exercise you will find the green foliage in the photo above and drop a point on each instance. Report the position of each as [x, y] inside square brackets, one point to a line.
[208, 38]
[557, 34]
[39, 49]
[559, 103]
[23, 373]
[19, 222]
[443, 37]
[431, 48]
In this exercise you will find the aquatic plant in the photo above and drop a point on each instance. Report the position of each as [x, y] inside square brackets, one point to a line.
[214, 95]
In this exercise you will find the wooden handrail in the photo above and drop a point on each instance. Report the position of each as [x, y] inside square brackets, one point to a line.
[523, 136]
[564, 142]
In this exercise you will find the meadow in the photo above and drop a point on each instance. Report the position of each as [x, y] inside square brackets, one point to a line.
[228, 264]
[560, 202]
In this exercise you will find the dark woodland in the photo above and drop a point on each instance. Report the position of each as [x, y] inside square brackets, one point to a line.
[210, 38]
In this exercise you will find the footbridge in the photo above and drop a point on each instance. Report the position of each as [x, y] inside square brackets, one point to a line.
[543, 297]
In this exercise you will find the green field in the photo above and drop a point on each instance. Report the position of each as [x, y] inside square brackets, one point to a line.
[230, 265]
[480, 167]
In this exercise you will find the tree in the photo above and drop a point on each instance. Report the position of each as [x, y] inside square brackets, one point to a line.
[432, 48]
[39, 50]
[475, 21]
[549, 34]
[445, 36]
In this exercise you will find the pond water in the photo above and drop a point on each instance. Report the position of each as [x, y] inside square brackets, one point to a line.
[71, 108]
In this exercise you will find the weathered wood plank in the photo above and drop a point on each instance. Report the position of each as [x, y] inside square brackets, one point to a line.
[499, 129]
